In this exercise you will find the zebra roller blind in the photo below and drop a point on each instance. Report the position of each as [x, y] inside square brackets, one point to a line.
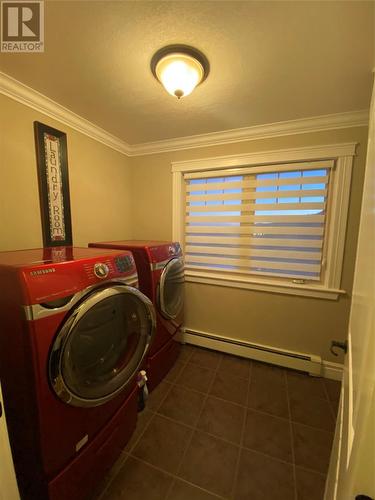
[267, 220]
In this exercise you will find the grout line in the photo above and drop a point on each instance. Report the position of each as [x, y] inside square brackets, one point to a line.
[330, 402]
[182, 368]
[174, 477]
[169, 491]
[172, 383]
[199, 488]
[291, 439]
[109, 477]
[334, 412]
[212, 395]
[125, 455]
[332, 432]
[246, 405]
[193, 429]
[237, 445]
[237, 468]
[266, 455]
[307, 469]
[131, 449]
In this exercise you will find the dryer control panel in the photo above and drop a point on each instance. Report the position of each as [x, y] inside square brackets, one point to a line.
[164, 252]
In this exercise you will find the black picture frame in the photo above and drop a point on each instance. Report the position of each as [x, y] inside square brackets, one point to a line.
[53, 180]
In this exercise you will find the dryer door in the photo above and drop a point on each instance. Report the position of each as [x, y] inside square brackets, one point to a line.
[101, 345]
[171, 290]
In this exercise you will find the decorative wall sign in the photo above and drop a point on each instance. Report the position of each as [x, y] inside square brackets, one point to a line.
[52, 160]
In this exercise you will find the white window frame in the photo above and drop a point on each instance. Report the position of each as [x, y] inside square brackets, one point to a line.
[342, 154]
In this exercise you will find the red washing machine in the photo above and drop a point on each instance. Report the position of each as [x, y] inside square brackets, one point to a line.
[161, 277]
[74, 332]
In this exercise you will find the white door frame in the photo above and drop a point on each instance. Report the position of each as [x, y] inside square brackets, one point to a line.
[352, 466]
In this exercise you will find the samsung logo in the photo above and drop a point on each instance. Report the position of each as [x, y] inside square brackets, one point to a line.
[42, 271]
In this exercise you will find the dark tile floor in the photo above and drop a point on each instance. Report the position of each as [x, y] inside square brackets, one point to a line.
[224, 427]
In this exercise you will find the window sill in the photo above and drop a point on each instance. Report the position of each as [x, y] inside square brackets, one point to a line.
[304, 290]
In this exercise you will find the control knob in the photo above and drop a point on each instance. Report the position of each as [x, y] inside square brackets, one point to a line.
[101, 270]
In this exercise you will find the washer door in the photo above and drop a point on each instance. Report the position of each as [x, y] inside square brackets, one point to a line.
[101, 345]
[171, 289]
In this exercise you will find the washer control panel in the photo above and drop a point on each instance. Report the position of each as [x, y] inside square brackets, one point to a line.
[101, 270]
[124, 263]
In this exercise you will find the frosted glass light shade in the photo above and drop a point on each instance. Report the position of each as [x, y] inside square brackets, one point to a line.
[179, 68]
[179, 74]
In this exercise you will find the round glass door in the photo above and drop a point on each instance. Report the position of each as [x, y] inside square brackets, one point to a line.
[101, 345]
[171, 291]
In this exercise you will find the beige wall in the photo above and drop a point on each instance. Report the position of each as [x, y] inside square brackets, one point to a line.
[99, 183]
[115, 197]
[290, 322]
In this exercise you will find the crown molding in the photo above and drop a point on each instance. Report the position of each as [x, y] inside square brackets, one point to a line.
[37, 101]
[29, 97]
[312, 153]
[278, 129]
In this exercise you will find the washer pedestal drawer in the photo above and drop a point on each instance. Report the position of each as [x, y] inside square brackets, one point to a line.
[89, 467]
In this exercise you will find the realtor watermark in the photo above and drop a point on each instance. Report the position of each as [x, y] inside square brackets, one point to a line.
[22, 26]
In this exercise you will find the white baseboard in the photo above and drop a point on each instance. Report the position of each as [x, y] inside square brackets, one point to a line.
[332, 370]
[309, 363]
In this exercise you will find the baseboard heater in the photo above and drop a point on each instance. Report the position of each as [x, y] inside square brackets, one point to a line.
[309, 363]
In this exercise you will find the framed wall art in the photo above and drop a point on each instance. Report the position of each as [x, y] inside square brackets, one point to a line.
[52, 164]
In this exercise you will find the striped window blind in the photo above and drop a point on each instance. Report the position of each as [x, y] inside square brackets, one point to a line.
[267, 220]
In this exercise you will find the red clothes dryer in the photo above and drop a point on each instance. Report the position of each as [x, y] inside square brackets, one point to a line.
[74, 331]
[161, 277]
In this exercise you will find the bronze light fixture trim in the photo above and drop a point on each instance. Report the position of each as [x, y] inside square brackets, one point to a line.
[179, 68]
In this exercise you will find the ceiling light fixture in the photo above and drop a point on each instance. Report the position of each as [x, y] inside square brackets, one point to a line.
[179, 68]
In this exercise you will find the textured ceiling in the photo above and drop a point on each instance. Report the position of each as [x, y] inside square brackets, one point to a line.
[270, 61]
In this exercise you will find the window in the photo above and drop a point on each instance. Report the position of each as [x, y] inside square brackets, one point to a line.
[277, 226]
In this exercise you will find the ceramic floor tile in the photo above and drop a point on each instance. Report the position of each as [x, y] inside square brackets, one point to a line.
[301, 384]
[268, 373]
[183, 405]
[263, 478]
[175, 371]
[143, 419]
[310, 485]
[333, 388]
[312, 447]
[195, 377]
[183, 491]
[223, 419]
[269, 435]
[206, 358]
[244, 396]
[231, 388]
[335, 407]
[157, 396]
[185, 352]
[311, 411]
[102, 486]
[235, 366]
[268, 397]
[210, 463]
[138, 481]
[163, 444]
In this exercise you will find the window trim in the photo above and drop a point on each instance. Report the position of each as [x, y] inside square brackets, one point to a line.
[342, 154]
